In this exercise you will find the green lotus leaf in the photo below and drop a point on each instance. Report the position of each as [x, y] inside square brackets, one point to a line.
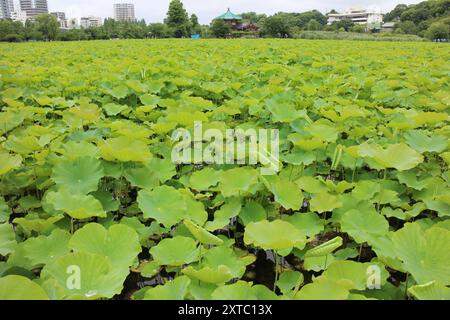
[137, 86]
[276, 235]
[218, 275]
[150, 269]
[309, 223]
[288, 194]
[119, 92]
[364, 226]
[322, 289]
[289, 280]
[76, 205]
[9, 162]
[44, 101]
[410, 179]
[175, 251]
[38, 225]
[176, 289]
[252, 212]
[420, 141]
[5, 212]
[323, 132]
[78, 176]
[430, 291]
[222, 217]
[113, 109]
[201, 234]
[142, 177]
[195, 209]
[163, 169]
[7, 239]
[29, 202]
[318, 264]
[107, 200]
[83, 276]
[351, 274]
[325, 248]
[20, 288]
[125, 149]
[283, 112]
[366, 190]
[238, 181]
[311, 185]
[119, 243]
[240, 290]
[80, 149]
[201, 290]
[425, 254]
[44, 249]
[142, 230]
[225, 256]
[21, 145]
[324, 202]
[149, 99]
[205, 178]
[299, 157]
[164, 204]
[398, 156]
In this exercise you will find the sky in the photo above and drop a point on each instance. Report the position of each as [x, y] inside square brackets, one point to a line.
[206, 10]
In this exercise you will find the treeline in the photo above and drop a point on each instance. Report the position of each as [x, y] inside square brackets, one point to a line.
[427, 19]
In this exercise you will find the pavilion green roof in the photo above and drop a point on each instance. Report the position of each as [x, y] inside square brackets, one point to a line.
[229, 16]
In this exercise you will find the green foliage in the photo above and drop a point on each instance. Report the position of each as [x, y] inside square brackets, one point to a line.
[47, 25]
[178, 19]
[220, 29]
[438, 30]
[276, 27]
[87, 185]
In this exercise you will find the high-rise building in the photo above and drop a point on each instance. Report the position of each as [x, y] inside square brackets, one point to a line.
[61, 17]
[124, 12]
[33, 8]
[5, 9]
[72, 23]
[90, 22]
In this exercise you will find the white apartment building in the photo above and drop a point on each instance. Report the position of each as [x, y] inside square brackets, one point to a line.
[91, 22]
[11, 9]
[72, 23]
[358, 16]
[33, 8]
[124, 12]
[61, 17]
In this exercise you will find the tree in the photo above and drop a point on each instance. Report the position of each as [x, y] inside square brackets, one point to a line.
[395, 13]
[194, 20]
[345, 24]
[220, 29]
[178, 19]
[438, 30]
[358, 28]
[313, 25]
[48, 25]
[158, 30]
[276, 26]
[407, 27]
[253, 17]
[195, 26]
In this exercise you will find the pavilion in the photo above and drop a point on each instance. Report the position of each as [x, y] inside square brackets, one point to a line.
[234, 20]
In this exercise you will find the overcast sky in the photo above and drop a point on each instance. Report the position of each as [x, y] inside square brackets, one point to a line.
[206, 10]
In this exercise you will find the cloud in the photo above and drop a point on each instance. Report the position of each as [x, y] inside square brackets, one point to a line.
[206, 10]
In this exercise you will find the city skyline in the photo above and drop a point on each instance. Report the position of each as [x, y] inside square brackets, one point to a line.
[207, 10]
